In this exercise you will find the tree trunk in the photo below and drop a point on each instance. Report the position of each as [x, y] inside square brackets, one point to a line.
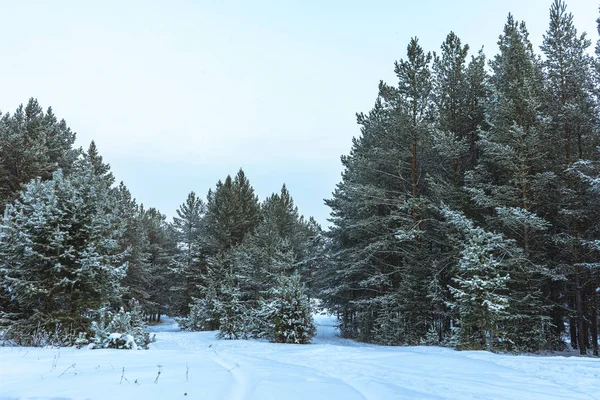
[558, 325]
[573, 332]
[594, 338]
[586, 330]
[579, 308]
[414, 177]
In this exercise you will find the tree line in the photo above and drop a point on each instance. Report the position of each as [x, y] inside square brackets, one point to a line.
[467, 216]
[469, 207]
[75, 247]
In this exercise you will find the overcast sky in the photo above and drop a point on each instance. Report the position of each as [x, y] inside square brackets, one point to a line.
[178, 94]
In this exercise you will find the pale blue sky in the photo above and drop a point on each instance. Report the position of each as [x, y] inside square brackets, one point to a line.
[179, 94]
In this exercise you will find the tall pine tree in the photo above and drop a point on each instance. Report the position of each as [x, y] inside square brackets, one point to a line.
[572, 141]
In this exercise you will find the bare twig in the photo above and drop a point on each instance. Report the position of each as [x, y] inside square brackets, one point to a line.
[234, 367]
[72, 366]
[55, 361]
[158, 375]
[123, 377]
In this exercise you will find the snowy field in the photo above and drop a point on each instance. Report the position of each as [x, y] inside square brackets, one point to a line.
[197, 366]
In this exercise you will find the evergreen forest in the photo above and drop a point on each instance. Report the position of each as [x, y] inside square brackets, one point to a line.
[467, 216]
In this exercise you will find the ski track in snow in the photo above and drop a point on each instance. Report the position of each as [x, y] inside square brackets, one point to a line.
[330, 368]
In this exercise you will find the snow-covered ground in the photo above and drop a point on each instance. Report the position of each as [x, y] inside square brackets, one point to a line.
[194, 365]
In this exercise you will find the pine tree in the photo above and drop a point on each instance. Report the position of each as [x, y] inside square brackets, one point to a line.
[60, 253]
[123, 329]
[480, 289]
[134, 244]
[572, 139]
[239, 280]
[232, 211]
[380, 210]
[188, 226]
[281, 222]
[287, 312]
[32, 144]
[204, 313]
[207, 306]
[362, 236]
[459, 91]
[232, 214]
[233, 311]
[598, 54]
[509, 183]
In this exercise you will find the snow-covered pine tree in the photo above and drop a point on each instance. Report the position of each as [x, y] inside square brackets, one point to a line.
[280, 244]
[595, 185]
[287, 312]
[586, 178]
[390, 325]
[148, 244]
[204, 313]
[207, 306]
[572, 139]
[597, 60]
[253, 262]
[510, 179]
[380, 210]
[480, 292]
[59, 253]
[281, 230]
[258, 280]
[459, 90]
[232, 310]
[232, 214]
[280, 215]
[122, 329]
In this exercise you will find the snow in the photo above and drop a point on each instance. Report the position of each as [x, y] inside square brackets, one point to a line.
[195, 365]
